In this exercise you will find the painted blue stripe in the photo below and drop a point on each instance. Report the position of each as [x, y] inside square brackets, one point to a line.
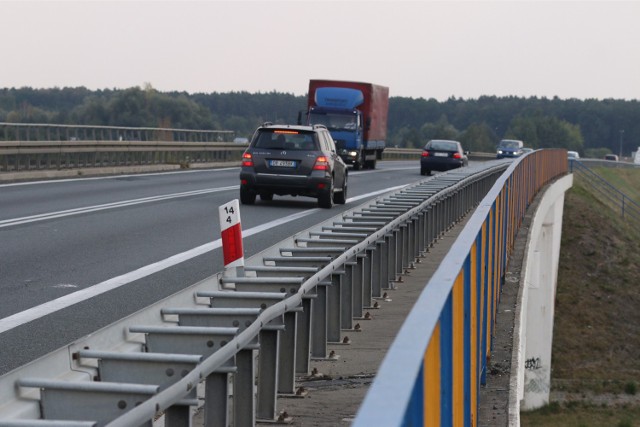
[467, 340]
[415, 412]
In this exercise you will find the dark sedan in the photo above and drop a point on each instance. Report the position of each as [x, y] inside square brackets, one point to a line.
[442, 155]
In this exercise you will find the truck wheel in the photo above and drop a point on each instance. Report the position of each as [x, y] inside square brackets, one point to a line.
[370, 164]
[325, 199]
[247, 196]
[356, 165]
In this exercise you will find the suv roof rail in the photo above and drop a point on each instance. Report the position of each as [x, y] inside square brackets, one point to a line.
[267, 124]
[319, 126]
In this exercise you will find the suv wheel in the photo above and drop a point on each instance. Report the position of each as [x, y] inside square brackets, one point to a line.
[325, 199]
[247, 196]
[341, 197]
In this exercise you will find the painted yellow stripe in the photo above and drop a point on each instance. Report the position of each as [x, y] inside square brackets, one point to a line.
[432, 380]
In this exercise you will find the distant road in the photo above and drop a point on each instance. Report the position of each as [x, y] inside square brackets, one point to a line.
[79, 254]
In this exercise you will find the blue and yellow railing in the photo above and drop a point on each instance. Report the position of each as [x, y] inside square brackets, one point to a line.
[432, 373]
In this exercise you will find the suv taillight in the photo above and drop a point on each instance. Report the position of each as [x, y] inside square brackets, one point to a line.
[457, 155]
[247, 160]
[322, 164]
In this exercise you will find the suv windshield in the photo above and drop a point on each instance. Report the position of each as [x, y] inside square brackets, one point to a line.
[334, 121]
[285, 140]
[509, 144]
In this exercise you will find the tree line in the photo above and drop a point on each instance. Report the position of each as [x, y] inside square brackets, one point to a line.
[591, 127]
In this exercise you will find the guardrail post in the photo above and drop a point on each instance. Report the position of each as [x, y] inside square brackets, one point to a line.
[244, 400]
[401, 253]
[346, 316]
[216, 399]
[358, 279]
[409, 244]
[177, 416]
[267, 374]
[418, 239]
[422, 235]
[385, 256]
[334, 309]
[303, 337]
[288, 351]
[365, 298]
[392, 259]
[376, 268]
[319, 323]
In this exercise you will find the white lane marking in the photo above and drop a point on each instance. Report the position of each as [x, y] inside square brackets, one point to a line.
[63, 302]
[78, 211]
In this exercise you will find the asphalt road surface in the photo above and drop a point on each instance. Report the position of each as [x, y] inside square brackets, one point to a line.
[79, 254]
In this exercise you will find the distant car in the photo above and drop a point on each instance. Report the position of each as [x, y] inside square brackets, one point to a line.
[442, 155]
[293, 160]
[573, 155]
[526, 150]
[509, 148]
[612, 157]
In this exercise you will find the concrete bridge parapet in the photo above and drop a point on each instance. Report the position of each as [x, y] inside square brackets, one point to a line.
[533, 330]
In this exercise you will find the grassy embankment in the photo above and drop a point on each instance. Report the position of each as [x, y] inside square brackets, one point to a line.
[596, 344]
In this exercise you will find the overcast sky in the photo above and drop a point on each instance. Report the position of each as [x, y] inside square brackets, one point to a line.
[428, 49]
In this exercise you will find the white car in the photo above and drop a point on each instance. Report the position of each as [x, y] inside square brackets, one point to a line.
[571, 155]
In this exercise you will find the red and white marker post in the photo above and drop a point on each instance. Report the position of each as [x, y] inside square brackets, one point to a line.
[231, 232]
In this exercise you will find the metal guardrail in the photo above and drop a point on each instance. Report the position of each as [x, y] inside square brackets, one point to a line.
[59, 132]
[18, 156]
[432, 373]
[293, 299]
[628, 207]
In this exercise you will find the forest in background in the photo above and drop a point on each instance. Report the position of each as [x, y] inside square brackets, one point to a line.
[592, 127]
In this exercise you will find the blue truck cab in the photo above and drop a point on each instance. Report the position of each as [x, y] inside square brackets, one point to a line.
[355, 115]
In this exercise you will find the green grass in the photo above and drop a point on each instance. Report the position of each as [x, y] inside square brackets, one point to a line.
[577, 414]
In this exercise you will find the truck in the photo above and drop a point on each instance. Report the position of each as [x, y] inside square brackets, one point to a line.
[355, 114]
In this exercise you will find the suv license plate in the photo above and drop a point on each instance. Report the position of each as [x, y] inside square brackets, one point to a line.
[282, 163]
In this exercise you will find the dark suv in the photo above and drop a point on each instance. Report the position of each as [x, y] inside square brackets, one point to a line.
[293, 160]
